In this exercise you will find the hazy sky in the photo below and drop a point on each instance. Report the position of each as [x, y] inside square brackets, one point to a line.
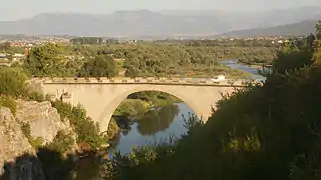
[15, 9]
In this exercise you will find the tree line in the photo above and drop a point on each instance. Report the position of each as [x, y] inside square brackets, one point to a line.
[143, 59]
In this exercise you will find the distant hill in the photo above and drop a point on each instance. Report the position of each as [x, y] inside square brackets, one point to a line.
[120, 23]
[154, 24]
[296, 29]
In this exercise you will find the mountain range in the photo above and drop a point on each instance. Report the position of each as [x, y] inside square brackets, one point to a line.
[139, 23]
[296, 29]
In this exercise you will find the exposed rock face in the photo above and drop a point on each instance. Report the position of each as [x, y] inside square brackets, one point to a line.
[13, 143]
[18, 159]
[43, 119]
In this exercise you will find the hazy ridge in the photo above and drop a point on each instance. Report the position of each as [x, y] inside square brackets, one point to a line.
[166, 23]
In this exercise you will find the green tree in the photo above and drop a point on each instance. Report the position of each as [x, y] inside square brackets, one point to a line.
[100, 66]
[62, 142]
[12, 81]
[293, 56]
[46, 60]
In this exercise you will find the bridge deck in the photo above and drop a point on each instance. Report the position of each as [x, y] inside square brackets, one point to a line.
[155, 81]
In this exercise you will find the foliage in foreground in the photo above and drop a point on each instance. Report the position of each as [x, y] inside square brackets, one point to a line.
[269, 132]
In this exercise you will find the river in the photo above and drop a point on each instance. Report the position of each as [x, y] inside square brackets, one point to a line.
[159, 124]
[253, 70]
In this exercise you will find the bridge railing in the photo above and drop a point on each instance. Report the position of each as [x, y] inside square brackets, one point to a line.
[138, 80]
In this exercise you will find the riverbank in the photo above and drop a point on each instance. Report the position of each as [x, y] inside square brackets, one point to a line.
[138, 104]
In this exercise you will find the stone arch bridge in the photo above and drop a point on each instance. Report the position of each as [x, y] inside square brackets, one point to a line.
[101, 96]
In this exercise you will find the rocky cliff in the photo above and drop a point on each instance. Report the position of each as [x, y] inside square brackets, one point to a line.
[14, 144]
[43, 119]
[17, 155]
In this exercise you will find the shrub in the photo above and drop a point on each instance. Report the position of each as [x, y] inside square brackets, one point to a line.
[113, 129]
[35, 96]
[87, 131]
[62, 142]
[25, 127]
[64, 109]
[9, 102]
[12, 81]
[36, 143]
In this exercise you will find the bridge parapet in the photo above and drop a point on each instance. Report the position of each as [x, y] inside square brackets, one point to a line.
[140, 80]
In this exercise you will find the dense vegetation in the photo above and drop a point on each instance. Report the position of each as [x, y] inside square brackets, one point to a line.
[191, 58]
[150, 59]
[92, 41]
[269, 132]
[88, 133]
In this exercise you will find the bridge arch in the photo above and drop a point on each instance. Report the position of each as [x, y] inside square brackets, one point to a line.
[110, 108]
[101, 98]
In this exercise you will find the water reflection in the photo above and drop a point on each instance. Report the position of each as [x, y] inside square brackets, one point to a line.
[156, 125]
[157, 120]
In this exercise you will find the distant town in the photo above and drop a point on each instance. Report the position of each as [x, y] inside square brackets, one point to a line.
[29, 41]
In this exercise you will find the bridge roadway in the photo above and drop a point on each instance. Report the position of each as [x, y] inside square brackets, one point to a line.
[101, 96]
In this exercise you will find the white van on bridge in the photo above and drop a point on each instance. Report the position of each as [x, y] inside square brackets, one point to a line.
[218, 78]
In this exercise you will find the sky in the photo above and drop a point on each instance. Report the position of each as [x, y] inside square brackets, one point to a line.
[17, 9]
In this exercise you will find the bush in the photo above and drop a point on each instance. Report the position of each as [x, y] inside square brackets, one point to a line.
[64, 109]
[62, 142]
[36, 143]
[88, 133]
[36, 96]
[9, 102]
[12, 81]
[25, 127]
[113, 129]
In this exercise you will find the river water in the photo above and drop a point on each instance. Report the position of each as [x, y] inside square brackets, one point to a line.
[159, 124]
[253, 70]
